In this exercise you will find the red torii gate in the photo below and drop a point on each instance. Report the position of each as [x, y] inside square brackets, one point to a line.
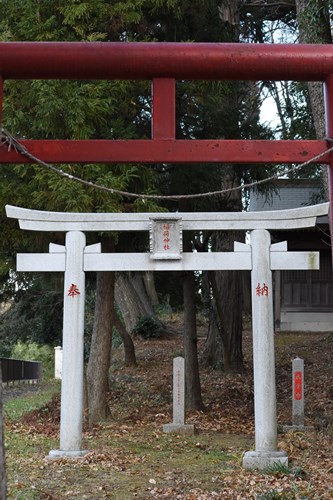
[164, 63]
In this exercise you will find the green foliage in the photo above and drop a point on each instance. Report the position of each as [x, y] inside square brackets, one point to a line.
[277, 469]
[148, 327]
[35, 352]
[116, 339]
[314, 22]
[280, 470]
[36, 316]
[5, 347]
[57, 109]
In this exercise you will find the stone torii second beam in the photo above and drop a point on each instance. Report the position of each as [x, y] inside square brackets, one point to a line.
[261, 257]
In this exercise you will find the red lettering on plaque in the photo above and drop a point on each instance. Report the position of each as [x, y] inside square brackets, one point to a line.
[166, 236]
[298, 386]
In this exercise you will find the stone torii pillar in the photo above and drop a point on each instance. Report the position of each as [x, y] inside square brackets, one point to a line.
[266, 451]
[265, 259]
[70, 260]
[166, 254]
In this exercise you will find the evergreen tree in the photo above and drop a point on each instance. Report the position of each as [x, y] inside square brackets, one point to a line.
[75, 110]
[104, 109]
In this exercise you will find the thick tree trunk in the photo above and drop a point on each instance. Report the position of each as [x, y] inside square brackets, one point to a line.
[193, 386]
[227, 286]
[100, 350]
[149, 282]
[135, 300]
[228, 294]
[314, 27]
[212, 354]
[192, 375]
[132, 298]
[3, 480]
[129, 350]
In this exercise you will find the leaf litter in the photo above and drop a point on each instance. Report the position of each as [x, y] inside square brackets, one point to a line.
[131, 458]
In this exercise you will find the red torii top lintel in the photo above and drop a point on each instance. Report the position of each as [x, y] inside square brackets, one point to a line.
[164, 63]
[148, 60]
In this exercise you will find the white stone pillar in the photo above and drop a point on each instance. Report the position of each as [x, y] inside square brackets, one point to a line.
[263, 356]
[57, 362]
[73, 330]
[298, 392]
[297, 398]
[178, 425]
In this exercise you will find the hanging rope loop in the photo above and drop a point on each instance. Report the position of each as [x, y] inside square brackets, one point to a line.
[11, 142]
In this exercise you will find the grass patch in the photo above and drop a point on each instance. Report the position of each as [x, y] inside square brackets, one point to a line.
[16, 407]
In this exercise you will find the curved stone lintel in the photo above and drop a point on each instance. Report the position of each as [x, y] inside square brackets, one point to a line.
[64, 221]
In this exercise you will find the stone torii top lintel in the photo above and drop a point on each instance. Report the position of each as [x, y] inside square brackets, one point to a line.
[36, 220]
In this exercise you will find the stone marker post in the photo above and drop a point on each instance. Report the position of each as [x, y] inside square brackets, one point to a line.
[57, 362]
[263, 357]
[297, 398]
[178, 424]
[298, 392]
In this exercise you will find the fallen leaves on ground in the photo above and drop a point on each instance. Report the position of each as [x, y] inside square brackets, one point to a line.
[131, 458]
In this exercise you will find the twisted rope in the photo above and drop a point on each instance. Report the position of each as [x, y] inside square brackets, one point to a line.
[7, 139]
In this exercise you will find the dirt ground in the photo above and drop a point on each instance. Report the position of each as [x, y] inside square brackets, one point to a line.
[146, 463]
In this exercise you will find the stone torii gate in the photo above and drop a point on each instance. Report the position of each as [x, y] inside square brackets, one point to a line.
[260, 256]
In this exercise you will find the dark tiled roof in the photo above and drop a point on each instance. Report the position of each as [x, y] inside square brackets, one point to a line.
[288, 194]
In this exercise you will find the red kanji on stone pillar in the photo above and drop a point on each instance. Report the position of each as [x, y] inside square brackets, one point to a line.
[298, 383]
[73, 290]
[262, 290]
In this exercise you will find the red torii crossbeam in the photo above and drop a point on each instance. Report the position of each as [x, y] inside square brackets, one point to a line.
[164, 63]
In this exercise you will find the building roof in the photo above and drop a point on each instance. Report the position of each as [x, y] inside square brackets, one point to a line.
[289, 193]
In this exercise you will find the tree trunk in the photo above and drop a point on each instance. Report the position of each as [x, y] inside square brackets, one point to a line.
[134, 301]
[212, 354]
[314, 27]
[192, 375]
[132, 298]
[129, 350]
[228, 294]
[3, 480]
[227, 286]
[149, 282]
[100, 350]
